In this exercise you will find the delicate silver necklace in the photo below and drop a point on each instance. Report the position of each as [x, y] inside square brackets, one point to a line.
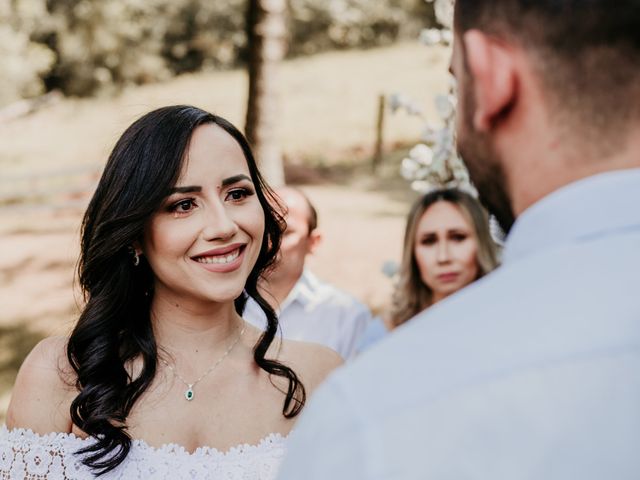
[188, 393]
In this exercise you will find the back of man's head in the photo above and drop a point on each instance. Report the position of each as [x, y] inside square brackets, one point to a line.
[586, 54]
[296, 200]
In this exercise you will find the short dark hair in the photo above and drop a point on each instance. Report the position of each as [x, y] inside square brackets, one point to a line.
[587, 54]
[313, 213]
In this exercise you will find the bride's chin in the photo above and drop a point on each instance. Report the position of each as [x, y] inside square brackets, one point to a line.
[224, 296]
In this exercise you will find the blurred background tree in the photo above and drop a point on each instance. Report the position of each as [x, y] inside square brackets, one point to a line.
[267, 40]
[24, 62]
[50, 160]
[88, 47]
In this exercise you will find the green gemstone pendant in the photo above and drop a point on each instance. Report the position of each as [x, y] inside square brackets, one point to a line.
[189, 393]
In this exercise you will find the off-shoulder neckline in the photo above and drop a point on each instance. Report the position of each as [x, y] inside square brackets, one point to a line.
[271, 439]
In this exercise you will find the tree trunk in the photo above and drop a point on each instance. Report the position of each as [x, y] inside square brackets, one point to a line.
[266, 30]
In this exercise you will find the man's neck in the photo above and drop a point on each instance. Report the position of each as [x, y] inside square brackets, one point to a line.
[540, 173]
[561, 179]
[276, 291]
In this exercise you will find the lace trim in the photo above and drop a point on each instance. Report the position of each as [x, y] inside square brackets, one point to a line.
[31, 456]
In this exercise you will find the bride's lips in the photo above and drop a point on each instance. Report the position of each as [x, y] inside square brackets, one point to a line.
[221, 260]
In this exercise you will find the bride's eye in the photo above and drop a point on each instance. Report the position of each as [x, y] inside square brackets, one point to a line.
[182, 206]
[239, 194]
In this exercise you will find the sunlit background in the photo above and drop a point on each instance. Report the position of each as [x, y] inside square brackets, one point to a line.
[309, 80]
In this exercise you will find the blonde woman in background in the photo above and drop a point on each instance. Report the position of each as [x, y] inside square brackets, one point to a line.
[447, 246]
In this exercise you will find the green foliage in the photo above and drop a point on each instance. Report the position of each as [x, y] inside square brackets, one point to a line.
[84, 47]
[23, 61]
[317, 25]
[106, 44]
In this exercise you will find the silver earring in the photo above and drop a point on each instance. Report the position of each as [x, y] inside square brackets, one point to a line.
[136, 256]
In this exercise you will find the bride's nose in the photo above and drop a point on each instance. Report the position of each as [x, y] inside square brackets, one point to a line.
[218, 223]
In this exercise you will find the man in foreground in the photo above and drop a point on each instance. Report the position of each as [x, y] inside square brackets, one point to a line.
[533, 371]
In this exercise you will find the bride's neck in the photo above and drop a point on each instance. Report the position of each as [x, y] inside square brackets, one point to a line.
[190, 328]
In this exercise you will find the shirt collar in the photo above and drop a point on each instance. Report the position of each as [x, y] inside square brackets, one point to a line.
[304, 291]
[581, 210]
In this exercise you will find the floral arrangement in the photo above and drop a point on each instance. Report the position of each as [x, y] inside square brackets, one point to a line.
[434, 162]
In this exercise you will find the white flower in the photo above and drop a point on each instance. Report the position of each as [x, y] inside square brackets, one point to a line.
[430, 36]
[447, 36]
[429, 134]
[408, 168]
[422, 154]
[444, 12]
[444, 106]
[422, 173]
[496, 231]
[443, 138]
[422, 186]
[467, 187]
[459, 167]
[413, 108]
[396, 101]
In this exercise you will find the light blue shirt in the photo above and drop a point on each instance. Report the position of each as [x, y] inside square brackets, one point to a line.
[317, 312]
[533, 372]
[376, 330]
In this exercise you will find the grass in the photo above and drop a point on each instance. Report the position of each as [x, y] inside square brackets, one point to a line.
[329, 104]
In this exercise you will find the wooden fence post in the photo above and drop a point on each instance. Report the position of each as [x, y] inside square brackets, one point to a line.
[377, 156]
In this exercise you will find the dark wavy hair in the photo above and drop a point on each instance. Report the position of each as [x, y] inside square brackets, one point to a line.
[115, 325]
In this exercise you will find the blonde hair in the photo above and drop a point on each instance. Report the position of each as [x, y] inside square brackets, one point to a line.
[411, 294]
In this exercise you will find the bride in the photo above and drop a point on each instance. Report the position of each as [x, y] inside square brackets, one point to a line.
[161, 377]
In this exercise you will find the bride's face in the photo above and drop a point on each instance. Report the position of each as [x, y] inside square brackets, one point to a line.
[205, 239]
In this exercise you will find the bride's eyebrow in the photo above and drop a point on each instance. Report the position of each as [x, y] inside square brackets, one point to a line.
[235, 179]
[195, 188]
[187, 189]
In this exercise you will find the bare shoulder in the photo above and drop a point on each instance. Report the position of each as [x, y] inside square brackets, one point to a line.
[43, 389]
[311, 361]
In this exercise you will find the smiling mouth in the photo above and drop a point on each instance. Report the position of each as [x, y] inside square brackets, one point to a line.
[220, 259]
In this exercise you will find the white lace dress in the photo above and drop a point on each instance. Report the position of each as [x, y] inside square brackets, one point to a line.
[25, 455]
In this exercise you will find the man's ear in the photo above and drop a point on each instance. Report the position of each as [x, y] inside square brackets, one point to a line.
[315, 238]
[492, 66]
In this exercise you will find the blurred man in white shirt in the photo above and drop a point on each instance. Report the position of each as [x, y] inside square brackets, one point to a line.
[308, 308]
